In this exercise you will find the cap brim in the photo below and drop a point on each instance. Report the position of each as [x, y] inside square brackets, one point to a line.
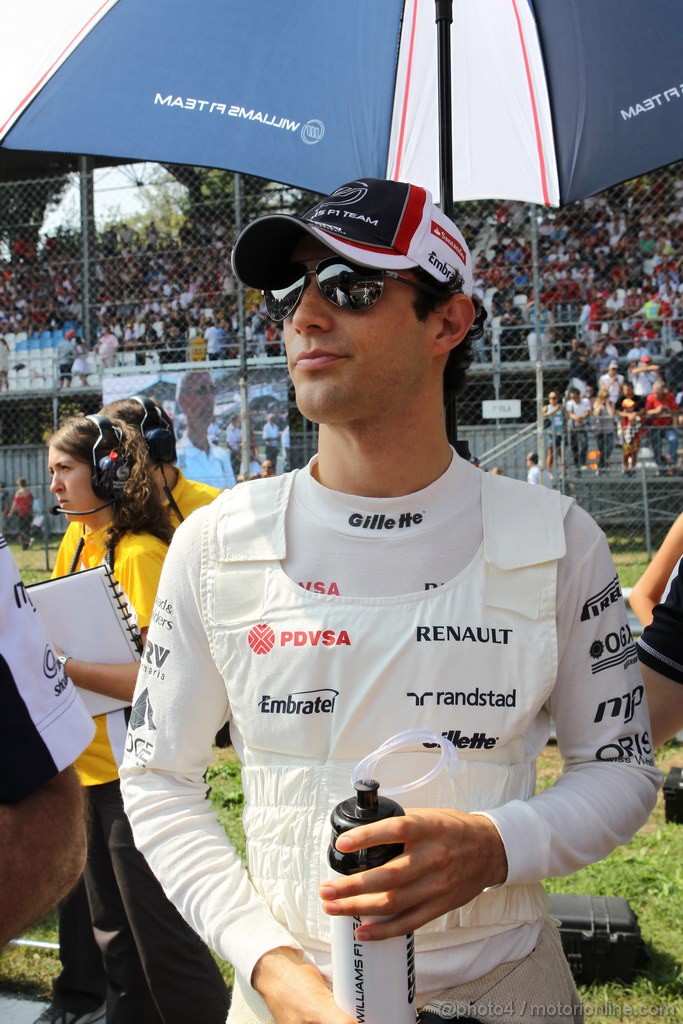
[265, 247]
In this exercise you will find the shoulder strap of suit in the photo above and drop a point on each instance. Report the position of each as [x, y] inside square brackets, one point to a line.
[523, 540]
[523, 525]
[250, 526]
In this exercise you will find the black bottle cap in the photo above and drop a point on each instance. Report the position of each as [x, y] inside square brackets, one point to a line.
[365, 807]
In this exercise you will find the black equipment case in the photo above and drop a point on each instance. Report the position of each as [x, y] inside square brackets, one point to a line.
[600, 936]
[673, 796]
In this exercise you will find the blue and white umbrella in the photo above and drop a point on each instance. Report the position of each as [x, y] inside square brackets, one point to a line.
[550, 100]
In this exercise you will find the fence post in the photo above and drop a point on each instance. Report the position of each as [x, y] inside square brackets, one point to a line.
[536, 291]
[85, 165]
[244, 387]
[646, 514]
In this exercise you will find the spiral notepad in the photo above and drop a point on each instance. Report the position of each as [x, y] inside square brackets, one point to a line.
[86, 614]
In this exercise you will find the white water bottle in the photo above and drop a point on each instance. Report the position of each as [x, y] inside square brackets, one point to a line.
[374, 982]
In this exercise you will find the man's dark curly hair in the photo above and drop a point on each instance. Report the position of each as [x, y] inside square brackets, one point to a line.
[462, 355]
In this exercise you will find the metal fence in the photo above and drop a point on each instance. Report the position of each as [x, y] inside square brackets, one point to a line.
[120, 282]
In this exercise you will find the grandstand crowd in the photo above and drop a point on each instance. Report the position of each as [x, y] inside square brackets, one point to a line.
[610, 275]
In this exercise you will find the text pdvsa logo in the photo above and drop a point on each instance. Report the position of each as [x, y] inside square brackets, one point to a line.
[262, 638]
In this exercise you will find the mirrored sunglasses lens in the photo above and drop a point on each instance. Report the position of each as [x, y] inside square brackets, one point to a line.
[281, 301]
[350, 287]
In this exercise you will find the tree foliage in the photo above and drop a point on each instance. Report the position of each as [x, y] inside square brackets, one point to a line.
[23, 207]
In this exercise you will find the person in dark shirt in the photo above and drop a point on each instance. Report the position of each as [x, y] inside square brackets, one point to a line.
[660, 649]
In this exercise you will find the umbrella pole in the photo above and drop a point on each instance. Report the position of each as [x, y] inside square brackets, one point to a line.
[444, 22]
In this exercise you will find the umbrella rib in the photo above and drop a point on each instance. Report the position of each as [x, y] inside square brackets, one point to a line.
[404, 109]
[534, 107]
[49, 71]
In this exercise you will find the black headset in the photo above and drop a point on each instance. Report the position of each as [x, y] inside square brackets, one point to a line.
[111, 470]
[158, 434]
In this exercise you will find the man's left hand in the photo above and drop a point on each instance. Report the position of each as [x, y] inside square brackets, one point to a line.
[449, 857]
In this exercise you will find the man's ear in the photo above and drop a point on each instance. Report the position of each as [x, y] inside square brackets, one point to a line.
[454, 318]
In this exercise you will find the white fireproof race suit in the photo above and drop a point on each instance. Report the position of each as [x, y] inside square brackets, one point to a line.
[312, 682]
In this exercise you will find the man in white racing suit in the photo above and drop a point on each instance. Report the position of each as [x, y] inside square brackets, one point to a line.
[389, 585]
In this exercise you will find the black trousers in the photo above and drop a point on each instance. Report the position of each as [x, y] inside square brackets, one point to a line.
[81, 985]
[158, 970]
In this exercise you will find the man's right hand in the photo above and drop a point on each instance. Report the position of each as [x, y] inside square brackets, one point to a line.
[294, 990]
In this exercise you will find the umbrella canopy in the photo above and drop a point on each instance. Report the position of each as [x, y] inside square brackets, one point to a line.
[552, 100]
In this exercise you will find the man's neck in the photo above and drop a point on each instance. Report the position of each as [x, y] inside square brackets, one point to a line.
[381, 467]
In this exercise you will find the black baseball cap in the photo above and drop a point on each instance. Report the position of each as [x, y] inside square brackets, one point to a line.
[389, 225]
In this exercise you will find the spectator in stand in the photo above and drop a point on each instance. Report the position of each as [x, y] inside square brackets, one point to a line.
[511, 325]
[107, 347]
[578, 412]
[629, 409]
[542, 326]
[539, 348]
[600, 357]
[4, 365]
[174, 345]
[81, 365]
[271, 438]
[533, 475]
[553, 412]
[661, 414]
[66, 352]
[581, 369]
[604, 427]
[267, 468]
[644, 375]
[636, 352]
[215, 341]
[273, 340]
[612, 381]
[22, 507]
[196, 349]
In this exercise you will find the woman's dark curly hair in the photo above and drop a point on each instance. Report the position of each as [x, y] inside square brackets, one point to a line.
[139, 509]
[462, 355]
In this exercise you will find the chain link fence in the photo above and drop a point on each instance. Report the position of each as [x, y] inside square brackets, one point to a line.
[120, 283]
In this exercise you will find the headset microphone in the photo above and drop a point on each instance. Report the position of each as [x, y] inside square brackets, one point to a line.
[58, 510]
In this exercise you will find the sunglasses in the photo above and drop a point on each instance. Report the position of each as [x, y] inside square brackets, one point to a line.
[343, 283]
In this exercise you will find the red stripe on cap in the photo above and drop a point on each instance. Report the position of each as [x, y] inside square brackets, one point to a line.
[410, 219]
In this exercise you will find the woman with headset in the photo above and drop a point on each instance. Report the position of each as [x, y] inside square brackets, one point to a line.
[158, 971]
[178, 494]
